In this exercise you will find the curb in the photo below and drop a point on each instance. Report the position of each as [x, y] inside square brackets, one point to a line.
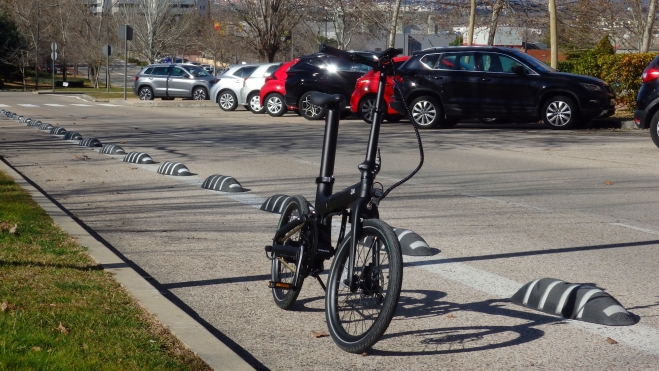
[171, 104]
[195, 336]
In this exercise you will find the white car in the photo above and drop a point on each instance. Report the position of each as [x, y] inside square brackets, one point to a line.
[227, 90]
[249, 94]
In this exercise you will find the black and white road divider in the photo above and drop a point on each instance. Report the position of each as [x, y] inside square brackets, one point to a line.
[174, 169]
[222, 183]
[275, 204]
[35, 123]
[58, 131]
[138, 158]
[72, 135]
[90, 142]
[112, 149]
[45, 126]
[582, 302]
[412, 244]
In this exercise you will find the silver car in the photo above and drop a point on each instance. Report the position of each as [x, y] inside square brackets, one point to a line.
[227, 90]
[169, 81]
[249, 94]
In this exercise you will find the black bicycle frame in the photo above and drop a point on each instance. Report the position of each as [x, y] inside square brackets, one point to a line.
[358, 196]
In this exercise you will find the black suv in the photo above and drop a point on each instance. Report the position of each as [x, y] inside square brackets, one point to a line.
[646, 114]
[442, 86]
[323, 73]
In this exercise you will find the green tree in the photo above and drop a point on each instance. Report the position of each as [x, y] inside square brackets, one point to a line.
[457, 42]
[10, 44]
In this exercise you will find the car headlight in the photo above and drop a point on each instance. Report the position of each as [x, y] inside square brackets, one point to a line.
[591, 87]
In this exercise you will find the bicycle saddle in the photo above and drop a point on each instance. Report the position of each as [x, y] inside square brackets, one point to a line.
[322, 99]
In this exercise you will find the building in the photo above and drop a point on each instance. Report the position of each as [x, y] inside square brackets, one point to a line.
[177, 6]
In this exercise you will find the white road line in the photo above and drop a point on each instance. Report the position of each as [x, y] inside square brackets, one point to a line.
[650, 231]
[28, 105]
[54, 105]
[81, 105]
[4, 105]
[641, 337]
[108, 105]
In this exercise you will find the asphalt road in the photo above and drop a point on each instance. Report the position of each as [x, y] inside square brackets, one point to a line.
[505, 205]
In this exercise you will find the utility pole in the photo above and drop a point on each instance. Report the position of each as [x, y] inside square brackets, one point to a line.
[552, 33]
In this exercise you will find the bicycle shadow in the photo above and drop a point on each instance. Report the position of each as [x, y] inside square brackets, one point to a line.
[415, 304]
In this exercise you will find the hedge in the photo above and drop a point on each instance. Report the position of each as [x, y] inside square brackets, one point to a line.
[621, 71]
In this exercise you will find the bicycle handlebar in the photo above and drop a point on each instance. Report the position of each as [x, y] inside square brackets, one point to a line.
[358, 58]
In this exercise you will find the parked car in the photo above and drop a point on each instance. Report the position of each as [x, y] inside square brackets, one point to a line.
[226, 92]
[271, 95]
[173, 60]
[249, 94]
[169, 81]
[646, 114]
[324, 73]
[363, 98]
[441, 86]
[210, 69]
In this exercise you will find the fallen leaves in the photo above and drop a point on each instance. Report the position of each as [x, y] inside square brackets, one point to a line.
[6, 306]
[83, 157]
[611, 341]
[61, 328]
[9, 227]
[450, 316]
[319, 334]
[608, 182]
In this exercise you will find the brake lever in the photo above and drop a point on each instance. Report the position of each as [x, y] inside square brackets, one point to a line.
[378, 163]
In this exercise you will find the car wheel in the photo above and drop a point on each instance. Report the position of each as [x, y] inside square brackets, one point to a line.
[654, 128]
[394, 118]
[255, 103]
[274, 105]
[308, 110]
[366, 108]
[560, 112]
[227, 101]
[146, 93]
[199, 94]
[426, 112]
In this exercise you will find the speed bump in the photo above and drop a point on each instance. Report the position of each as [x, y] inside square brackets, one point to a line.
[72, 135]
[583, 302]
[174, 169]
[58, 131]
[90, 142]
[222, 183]
[112, 149]
[275, 204]
[138, 158]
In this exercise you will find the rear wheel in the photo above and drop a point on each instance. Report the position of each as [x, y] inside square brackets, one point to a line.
[358, 316]
[283, 269]
[255, 103]
[560, 113]
[310, 111]
[366, 108]
[654, 128]
[146, 93]
[426, 112]
[274, 105]
[227, 100]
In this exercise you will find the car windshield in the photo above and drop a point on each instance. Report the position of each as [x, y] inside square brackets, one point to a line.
[534, 62]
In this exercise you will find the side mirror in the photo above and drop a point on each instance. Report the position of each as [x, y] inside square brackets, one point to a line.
[518, 70]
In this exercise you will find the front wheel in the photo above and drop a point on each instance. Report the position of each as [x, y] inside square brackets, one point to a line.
[358, 316]
[199, 94]
[146, 93]
[283, 269]
[560, 113]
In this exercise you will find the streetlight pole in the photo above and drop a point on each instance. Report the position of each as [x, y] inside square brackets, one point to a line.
[36, 57]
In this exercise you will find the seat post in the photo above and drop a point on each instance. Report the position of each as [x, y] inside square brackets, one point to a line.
[325, 180]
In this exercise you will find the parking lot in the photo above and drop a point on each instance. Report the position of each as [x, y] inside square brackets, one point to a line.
[505, 204]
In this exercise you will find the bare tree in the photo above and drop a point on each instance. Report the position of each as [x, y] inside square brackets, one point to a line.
[266, 22]
[158, 25]
[649, 24]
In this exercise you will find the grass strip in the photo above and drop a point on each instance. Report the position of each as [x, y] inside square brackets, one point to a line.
[59, 310]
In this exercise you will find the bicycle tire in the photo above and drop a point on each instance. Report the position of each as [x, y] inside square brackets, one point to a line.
[348, 313]
[284, 299]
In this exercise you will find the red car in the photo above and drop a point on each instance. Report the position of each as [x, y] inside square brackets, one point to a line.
[272, 92]
[362, 101]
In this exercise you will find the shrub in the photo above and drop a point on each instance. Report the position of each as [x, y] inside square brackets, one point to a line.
[623, 73]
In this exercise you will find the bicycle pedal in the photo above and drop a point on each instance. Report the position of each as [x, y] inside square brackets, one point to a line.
[280, 285]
